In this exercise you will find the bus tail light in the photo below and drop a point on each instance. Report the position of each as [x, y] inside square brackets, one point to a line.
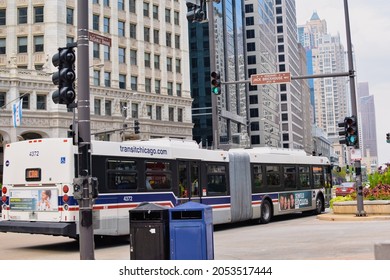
[65, 188]
[4, 190]
[65, 198]
[4, 199]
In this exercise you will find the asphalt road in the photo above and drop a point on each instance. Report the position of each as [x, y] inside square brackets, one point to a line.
[293, 237]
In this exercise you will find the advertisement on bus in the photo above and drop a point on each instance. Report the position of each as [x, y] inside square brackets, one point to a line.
[34, 200]
[295, 200]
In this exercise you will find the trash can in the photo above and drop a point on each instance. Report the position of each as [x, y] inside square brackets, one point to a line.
[191, 232]
[149, 232]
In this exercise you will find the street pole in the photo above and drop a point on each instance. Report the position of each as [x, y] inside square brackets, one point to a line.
[214, 98]
[358, 168]
[86, 237]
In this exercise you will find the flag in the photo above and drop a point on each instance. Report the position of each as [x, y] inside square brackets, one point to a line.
[17, 113]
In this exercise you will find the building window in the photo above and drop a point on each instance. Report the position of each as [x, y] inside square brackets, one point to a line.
[170, 88]
[249, 8]
[255, 126]
[95, 22]
[178, 89]
[157, 86]
[106, 3]
[255, 139]
[97, 106]
[146, 34]
[133, 57]
[177, 41]
[251, 47]
[2, 46]
[122, 81]
[132, 6]
[26, 101]
[134, 110]
[168, 39]
[38, 14]
[133, 31]
[107, 107]
[147, 60]
[38, 43]
[176, 17]
[149, 110]
[2, 99]
[107, 79]
[251, 59]
[171, 114]
[156, 36]
[22, 44]
[180, 115]
[167, 15]
[96, 50]
[41, 102]
[121, 29]
[146, 9]
[122, 55]
[169, 64]
[250, 34]
[107, 56]
[284, 117]
[249, 21]
[155, 11]
[134, 83]
[2, 17]
[22, 15]
[178, 65]
[254, 113]
[69, 16]
[96, 78]
[158, 113]
[121, 5]
[148, 85]
[156, 61]
[106, 25]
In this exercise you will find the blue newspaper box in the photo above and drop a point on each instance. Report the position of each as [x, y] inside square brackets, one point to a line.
[149, 232]
[191, 232]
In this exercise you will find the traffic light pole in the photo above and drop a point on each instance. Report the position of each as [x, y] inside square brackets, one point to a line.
[86, 236]
[358, 166]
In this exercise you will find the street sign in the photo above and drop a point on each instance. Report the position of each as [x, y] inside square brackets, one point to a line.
[273, 78]
[356, 154]
[96, 38]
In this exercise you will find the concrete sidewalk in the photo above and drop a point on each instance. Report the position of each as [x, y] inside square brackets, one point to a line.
[351, 217]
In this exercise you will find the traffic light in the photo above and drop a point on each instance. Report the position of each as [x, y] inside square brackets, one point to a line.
[65, 76]
[351, 129]
[216, 83]
[136, 127]
[195, 13]
[388, 137]
[342, 132]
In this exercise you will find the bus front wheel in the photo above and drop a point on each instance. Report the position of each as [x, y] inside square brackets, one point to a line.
[266, 212]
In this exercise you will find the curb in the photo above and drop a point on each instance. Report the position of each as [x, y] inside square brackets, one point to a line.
[351, 217]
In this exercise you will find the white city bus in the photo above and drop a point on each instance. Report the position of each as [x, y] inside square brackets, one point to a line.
[239, 184]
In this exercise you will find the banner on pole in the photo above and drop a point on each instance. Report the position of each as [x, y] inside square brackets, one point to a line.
[17, 113]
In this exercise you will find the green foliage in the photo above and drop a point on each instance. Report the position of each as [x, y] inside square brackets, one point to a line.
[340, 199]
[379, 178]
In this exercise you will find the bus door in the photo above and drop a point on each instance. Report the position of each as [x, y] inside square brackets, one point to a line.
[189, 173]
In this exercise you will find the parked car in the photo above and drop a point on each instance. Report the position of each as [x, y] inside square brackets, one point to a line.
[345, 188]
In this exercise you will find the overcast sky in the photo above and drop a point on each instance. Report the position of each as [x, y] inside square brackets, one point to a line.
[370, 33]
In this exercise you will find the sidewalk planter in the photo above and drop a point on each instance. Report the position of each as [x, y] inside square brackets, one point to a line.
[376, 207]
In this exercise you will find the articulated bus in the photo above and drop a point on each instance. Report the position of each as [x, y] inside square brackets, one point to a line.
[239, 184]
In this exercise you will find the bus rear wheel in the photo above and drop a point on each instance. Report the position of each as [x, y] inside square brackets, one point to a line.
[319, 205]
[266, 212]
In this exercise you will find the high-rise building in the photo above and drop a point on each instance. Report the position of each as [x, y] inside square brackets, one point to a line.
[142, 74]
[367, 125]
[217, 44]
[328, 56]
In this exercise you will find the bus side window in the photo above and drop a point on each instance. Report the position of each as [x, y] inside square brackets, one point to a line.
[273, 176]
[257, 173]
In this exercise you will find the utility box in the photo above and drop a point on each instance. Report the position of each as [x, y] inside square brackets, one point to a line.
[191, 232]
[149, 232]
